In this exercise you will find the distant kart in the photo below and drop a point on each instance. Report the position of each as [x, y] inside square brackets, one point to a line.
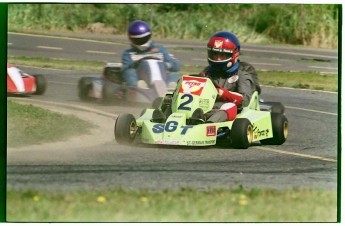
[110, 86]
[179, 119]
[21, 83]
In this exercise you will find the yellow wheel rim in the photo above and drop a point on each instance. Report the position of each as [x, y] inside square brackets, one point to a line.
[250, 134]
[132, 129]
[285, 127]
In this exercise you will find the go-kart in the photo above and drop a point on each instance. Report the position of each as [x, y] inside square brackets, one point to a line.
[178, 119]
[22, 83]
[110, 87]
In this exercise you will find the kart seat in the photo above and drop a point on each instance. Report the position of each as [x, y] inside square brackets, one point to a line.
[253, 103]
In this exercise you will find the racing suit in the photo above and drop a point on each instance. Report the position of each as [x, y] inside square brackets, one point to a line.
[131, 56]
[234, 92]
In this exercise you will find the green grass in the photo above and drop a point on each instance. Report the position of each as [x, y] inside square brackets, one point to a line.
[57, 63]
[27, 125]
[305, 80]
[185, 205]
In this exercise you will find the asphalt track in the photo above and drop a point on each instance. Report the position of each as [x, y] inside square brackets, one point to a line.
[308, 159]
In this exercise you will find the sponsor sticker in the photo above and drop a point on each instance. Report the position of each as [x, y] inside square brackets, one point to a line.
[192, 85]
[211, 131]
[233, 79]
[218, 44]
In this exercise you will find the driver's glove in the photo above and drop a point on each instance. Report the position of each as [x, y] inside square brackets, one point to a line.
[134, 64]
[167, 65]
[229, 96]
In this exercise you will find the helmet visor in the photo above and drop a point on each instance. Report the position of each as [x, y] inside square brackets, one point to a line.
[218, 56]
[140, 41]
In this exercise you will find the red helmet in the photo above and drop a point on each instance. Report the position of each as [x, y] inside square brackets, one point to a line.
[223, 51]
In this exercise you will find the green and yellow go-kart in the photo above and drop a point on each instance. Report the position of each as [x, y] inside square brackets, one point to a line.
[178, 119]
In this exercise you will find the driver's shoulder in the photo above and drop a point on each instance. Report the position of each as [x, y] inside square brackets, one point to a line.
[158, 47]
[242, 74]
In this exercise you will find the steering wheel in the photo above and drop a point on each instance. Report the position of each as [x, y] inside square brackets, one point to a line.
[149, 58]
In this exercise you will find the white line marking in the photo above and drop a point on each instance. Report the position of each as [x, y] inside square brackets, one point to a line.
[199, 59]
[304, 109]
[45, 68]
[64, 83]
[289, 53]
[100, 52]
[309, 90]
[66, 38]
[268, 64]
[297, 154]
[49, 47]
[331, 68]
[9, 43]
[328, 72]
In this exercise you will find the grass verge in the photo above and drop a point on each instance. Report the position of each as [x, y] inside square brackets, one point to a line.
[302, 80]
[305, 80]
[27, 125]
[185, 205]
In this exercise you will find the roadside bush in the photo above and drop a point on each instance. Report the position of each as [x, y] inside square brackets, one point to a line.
[297, 24]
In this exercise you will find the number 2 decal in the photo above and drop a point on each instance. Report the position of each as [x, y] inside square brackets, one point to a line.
[189, 99]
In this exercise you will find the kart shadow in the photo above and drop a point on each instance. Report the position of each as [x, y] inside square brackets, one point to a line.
[18, 95]
[222, 145]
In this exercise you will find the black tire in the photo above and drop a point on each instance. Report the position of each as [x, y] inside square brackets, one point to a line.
[157, 102]
[107, 93]
[143, 112]
[125, 129]
[41, 84]
[84, 86]
[241, 133]
[276, 107]
[280, 130]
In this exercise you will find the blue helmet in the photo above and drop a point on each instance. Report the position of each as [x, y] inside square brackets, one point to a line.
[223, 51]
[139, 33]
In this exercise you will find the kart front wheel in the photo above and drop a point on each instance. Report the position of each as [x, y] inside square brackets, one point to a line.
[108, 93]
[125, 129]
[280, 130]
[241, 133]
[84, 87]
[157, 102]
[276, 107]
[41, 84]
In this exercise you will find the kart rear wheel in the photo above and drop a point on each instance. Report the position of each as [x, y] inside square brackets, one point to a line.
[84, 87]
[107, 92]
[280, 130]
[125, 129]
[41, 84]
[241, 133]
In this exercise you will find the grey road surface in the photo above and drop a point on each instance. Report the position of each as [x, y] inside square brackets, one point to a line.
[109, 48]
[309, 158]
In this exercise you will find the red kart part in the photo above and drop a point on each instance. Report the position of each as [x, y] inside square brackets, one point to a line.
[19, 82]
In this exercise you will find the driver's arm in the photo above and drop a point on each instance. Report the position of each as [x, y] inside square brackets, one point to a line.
[246, 87]
[171, 63]
[230, 96]
[127, 61]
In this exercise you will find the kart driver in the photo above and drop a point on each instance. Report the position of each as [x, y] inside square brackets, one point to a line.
[142, 46]
[235, 81]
